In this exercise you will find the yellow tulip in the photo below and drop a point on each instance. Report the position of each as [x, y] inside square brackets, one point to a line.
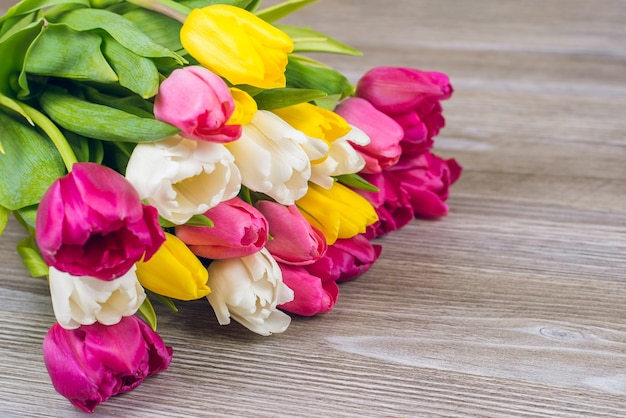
[237, 45]
[338, 212]
[314, 121]
[174, 271]
[245, 107]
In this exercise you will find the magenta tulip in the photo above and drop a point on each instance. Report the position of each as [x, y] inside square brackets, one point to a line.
[294, 241]
[239, 230]
[92, 223]
[345, 259]
[385, 134]
[411, 98]
[391, 203]
[90, 364]
[311, 294]
[199, 103]
[425, 179]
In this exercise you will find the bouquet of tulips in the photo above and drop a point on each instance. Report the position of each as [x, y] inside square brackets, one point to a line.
[168, 151]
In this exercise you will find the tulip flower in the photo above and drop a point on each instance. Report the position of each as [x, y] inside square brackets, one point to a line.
[245, 107]
[314, 121]
[90, 364]
[274, 158]
[411, 97]
[174, 271]
[197, 102]
[426, 179]
[385, 134]
[181, 177]
[391, 202]
[248, 290]
[346, 259]
[85, 300]
[92, 223]
[397, 90]
[237, 45]
[311, 295]
[338, 212]
[328, 126]
[294, 241]
[238, 230]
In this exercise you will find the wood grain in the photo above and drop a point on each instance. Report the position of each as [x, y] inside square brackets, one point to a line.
[513, 305]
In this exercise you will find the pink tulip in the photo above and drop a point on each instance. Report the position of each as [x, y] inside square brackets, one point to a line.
[197, 102]
[426, 179]
[92, 223]
[345, 259]
[239, 230]
[385, 134]
[294, 241]
[391, 202]
[311, 294]
[411, 98]
[90, 364]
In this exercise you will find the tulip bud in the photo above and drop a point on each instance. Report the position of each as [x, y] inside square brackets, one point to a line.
[238, 230]
[197, 102]
[92, 223]
[237, 45]
[174, 271]
[294, 240]
[90, 364]
[311, 295]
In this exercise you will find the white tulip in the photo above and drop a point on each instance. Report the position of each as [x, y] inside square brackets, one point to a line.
[342, 158]
[248, 289]
[84, 300]
[274, 158]
[181, 177]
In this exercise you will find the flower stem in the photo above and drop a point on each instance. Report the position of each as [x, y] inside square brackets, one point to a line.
[55, 135]
[168, 8]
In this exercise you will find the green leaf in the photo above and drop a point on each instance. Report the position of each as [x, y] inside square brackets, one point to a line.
[4, 218]
[30, 164]
[28, 251]
[101, 122]
[136, 73]
[196, 220]
[121, 29]
[131, 104]
[147, 311]
[168, 302]
[278, 11]
[26, 217]
[356, 181]
[198, 4]
[283, 97]
[200, 220]
[29, 6]
[63, 52]
[159, 28]
[15, 45]
[307, 40]
[302, 74]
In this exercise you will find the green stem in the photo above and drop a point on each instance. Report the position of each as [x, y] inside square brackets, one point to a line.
[168, 8]
[55, 135]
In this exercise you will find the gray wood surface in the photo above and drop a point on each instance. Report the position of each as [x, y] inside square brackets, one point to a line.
[513, 305]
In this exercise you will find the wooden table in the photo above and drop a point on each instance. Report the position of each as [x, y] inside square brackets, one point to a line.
[513, 305]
